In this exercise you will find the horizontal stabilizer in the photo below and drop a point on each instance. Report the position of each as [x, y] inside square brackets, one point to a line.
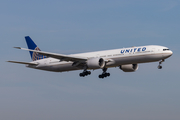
[26, 63]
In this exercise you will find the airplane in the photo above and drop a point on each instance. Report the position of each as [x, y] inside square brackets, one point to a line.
[127, 59]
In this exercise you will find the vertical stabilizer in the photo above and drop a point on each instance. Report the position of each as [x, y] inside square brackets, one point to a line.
[31, 45]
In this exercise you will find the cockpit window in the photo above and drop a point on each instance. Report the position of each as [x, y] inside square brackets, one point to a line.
[165, 49]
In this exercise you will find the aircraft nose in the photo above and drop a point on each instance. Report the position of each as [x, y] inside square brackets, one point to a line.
[167, 54]
[171, 53]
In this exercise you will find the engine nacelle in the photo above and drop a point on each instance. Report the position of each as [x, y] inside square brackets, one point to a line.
[95, 63]
[129, 67]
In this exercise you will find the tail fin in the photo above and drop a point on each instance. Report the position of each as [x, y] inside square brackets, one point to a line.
[31, 45]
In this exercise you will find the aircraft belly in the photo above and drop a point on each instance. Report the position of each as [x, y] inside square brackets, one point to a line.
[64, 67]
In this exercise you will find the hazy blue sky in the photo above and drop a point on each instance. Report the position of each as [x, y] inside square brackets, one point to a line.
[73, 26]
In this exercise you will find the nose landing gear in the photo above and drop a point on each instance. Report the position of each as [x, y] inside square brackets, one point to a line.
[160, 66]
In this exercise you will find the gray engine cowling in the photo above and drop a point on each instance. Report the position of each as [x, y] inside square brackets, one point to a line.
[129, 67]
[95, 63]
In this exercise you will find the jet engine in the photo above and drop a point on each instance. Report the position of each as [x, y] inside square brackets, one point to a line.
[95, 63]
[129, 67]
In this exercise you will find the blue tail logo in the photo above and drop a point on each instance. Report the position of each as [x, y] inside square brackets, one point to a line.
[31, 45]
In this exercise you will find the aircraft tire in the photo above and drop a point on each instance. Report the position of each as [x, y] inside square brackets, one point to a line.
[159, 67]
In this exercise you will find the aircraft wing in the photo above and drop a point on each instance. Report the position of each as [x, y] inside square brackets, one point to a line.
[57, 56]
[26, 63]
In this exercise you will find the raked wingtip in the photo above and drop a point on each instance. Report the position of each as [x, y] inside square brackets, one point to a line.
[17, 47]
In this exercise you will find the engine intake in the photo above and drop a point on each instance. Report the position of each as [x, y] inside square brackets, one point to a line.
[129, 67]
[95, 63]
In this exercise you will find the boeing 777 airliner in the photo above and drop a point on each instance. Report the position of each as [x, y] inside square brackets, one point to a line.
[127, 59]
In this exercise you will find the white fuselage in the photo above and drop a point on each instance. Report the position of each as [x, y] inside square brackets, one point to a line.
[116, 57]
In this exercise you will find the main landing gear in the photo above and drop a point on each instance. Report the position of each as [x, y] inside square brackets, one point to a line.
[85, 72]
[160, 66]
[104, 74]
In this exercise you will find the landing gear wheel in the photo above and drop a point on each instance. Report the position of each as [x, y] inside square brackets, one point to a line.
[105, 74]
[159, 67]
[85, 73]
[160, 62]
[100, 76]
[81, 74]
[89, 72]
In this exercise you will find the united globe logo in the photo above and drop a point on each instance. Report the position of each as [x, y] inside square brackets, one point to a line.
[37, 56]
